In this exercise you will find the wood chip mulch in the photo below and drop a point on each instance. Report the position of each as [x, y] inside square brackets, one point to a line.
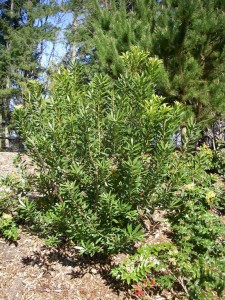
[29, 270]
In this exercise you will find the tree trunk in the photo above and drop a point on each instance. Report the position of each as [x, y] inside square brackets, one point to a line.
[74, 48]
[4, 131]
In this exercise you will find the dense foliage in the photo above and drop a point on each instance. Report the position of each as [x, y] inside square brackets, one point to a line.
[187, 35]
[96, 148]
[105, 160]
[193, 258]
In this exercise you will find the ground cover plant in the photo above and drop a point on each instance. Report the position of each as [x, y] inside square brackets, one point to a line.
[194, 259]
[105, 160]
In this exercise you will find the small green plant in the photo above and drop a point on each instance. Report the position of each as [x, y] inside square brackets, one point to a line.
[27, 211]
[148, 263]
[8, 228]
[11, 191]
[8, 205]
[219, 161]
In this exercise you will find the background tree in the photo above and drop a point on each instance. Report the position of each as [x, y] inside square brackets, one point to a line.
[78, 11]
[23, 28]
[188, 35]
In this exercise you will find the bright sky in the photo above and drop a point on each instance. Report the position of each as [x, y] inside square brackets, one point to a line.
[54, 52]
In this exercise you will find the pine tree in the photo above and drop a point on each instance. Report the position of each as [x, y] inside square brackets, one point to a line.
[79, 10]
[190, 39]
[188, 35]
[23, 27]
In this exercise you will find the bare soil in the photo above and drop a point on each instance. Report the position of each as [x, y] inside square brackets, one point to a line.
[29, 270]
[6, 163]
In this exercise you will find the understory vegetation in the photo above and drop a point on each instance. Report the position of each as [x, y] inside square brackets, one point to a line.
[105, 159]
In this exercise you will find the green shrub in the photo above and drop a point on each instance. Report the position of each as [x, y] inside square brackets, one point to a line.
[219, 161]
[8, 228]
[99, 150]
[194, 260]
